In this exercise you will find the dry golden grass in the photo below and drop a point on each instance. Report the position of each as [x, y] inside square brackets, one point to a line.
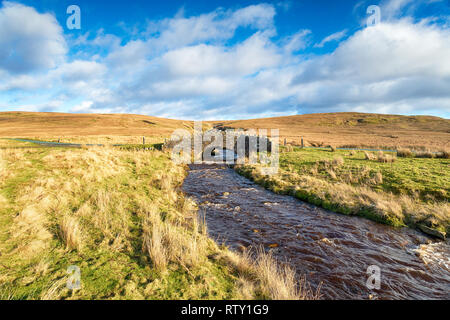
[54, 291]
[153, 244]
[405, 153]
[369, 156]
[355, 130]
[262, 273]
[378, 178]
[408, 153]
[70, 232]
[110, 210]
[385, 158]
[335, 129]
[30, 231]
[3, 167]
[58, 125]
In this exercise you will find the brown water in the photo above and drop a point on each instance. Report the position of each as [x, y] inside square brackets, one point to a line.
[328, 248]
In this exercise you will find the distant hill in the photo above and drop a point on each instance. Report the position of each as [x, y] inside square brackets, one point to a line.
[355, 129]
[339, 129]
[25, 124]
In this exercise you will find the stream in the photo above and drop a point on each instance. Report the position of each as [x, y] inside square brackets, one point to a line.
[327, 248]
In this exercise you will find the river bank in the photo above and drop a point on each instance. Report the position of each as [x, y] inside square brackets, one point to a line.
[119, 220]
[399, 192]
[329, 249]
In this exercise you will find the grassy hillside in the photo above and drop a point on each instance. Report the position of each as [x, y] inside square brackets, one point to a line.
[339, 129]
[119, 217]
[29, 124]
[355, 130]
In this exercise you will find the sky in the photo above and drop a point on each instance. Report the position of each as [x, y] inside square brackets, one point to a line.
[209, 59]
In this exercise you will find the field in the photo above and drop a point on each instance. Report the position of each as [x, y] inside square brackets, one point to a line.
[356, 130]
[95, 128]
[119, 217]
[338, 129]
[118, 213]
[380, 186]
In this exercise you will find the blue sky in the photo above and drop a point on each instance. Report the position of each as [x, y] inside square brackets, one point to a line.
[226, 59]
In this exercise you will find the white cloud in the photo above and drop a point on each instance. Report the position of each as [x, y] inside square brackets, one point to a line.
[387, 51]
[297, 41]
[83, 107]
[252, 55]
[100, 40]
[29, 40]
[255, 16]
[393, 8]
[217, 25]
[186, 68]
[393, 67]
[80, 70]
[332, 37]
[393, 64]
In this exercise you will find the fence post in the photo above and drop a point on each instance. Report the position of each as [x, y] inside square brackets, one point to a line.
[143, 140]
[302, 143]
[285, 142]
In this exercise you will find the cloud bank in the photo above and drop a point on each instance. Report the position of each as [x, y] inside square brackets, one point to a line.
[193, 67]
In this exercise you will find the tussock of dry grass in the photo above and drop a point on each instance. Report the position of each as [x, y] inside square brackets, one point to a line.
[260, 272]
[71, 234]
[385, 158]
[408, 153]
[378, 178]
[380, 157]
[425, 154]
[369, 156]
[154, 245]
[445, 154]
[405, 153]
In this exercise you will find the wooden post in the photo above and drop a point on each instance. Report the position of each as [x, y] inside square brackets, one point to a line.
[302, 143]
[285, 142]
[143, 140]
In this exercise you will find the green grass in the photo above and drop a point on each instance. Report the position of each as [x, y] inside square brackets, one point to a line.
[426, 178]
[407, 192]
[105, 210]
[106, 274]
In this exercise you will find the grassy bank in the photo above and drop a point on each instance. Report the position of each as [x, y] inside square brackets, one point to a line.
[379, 186]
[117, 215]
